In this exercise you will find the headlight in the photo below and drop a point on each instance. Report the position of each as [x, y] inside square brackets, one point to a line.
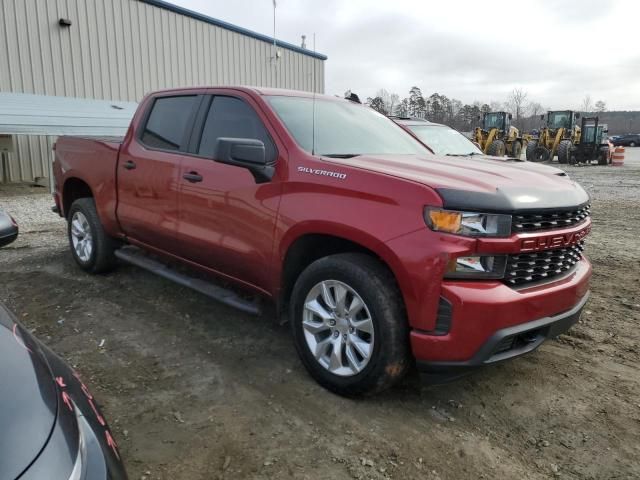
[477, 266]
[469, 224]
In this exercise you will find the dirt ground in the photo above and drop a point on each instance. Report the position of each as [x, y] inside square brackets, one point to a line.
[195, 390]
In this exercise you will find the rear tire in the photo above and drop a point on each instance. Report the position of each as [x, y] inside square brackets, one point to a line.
[531, 146]
[376, 332]
[632, 144]
[516, 149]
[496, 149]
[92, 249]
[564, 151]
[540, 154]
[603, 159]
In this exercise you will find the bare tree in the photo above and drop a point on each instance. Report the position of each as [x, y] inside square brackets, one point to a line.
[496, 106]
[516, 102]
[601, 106]
[394, 99]
[535, 109]
[587, 105]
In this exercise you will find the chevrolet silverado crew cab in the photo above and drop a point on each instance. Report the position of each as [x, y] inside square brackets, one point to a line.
[382, 254]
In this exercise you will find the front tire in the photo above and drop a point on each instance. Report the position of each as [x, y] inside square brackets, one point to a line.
[92, 249]
[516, 149]
[349, 325]
[496, 149]
[564, 151]
[531, 146]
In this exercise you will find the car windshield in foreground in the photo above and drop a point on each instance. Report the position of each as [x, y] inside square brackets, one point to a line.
[444, 140]
[342, 129]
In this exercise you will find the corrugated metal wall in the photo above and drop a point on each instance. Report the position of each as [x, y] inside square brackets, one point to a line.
[121, 49]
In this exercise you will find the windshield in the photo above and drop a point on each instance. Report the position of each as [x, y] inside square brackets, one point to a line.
[560, 120]
[493, 120]
[589, 132]
[343, 128]
[444, 140]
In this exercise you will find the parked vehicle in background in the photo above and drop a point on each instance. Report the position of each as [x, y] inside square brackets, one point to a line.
[382, 253]
[593, 144]
[558, 137]
[8, 229]
[498, 137]
[440, 139]
[52, 427]
[628, 140]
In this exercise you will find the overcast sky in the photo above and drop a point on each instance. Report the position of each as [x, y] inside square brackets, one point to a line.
[558, 51]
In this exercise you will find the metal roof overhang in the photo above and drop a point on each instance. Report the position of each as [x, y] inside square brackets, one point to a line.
[26, 114]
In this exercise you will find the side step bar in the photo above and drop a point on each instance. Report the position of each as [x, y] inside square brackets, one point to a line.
[136, 257]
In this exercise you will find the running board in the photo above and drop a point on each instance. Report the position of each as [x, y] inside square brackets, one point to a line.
[136, 257]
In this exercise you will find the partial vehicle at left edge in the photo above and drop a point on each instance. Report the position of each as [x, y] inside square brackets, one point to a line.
[52, 427]
[8, 229]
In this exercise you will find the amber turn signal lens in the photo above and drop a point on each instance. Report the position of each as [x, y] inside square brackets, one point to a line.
[444, 221]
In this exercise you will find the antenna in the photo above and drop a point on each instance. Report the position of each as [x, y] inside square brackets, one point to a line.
[313, 108]
[275, 47]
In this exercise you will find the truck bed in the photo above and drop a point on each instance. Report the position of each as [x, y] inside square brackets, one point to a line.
[92, 161]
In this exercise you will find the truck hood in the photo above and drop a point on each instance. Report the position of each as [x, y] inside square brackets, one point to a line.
[483, 182]
[28, 399]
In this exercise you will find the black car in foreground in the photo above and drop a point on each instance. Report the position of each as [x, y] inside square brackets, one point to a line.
[628, 140]
[50, 425]
[8, 229]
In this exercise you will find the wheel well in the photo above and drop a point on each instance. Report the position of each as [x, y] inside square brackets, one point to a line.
[309, 248]
[74, 188]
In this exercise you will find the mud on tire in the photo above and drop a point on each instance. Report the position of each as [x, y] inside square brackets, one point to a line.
[389, 359]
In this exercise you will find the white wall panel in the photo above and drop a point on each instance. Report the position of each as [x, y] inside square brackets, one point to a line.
[122, 49]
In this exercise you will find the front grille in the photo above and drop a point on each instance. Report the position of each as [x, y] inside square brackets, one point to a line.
[532, 222]
[525, 268]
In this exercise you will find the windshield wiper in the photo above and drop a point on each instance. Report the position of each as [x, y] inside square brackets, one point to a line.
[340, 155]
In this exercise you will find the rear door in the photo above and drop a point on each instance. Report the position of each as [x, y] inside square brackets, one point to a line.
[226, 220]
[149, 170]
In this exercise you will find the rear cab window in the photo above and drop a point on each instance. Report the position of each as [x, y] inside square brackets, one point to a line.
[168, 121]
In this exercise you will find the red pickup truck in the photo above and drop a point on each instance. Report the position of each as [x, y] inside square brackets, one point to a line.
[382, 254]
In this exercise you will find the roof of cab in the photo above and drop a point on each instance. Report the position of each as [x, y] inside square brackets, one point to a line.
[414, 121]
[250, 89]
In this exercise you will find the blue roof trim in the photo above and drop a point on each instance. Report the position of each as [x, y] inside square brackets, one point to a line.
[232, 27]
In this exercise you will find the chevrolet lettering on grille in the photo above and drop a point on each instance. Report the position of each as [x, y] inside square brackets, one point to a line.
[553, 241]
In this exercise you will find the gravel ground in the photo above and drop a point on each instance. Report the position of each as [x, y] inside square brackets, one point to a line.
[195, 390]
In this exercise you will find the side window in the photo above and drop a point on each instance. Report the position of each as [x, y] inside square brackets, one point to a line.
[231, 117]
[167, 122]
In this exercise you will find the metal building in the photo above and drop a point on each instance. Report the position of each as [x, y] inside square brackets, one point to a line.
[120, 49]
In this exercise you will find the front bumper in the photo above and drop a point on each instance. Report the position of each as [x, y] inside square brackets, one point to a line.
[491, 322]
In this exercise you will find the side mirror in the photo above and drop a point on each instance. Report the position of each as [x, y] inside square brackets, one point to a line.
[510, 116]
[245, 153]
[577, 115]
[541, 117]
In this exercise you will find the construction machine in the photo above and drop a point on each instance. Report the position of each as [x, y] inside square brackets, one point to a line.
[558, 137]
[497, 136]
[593, 144]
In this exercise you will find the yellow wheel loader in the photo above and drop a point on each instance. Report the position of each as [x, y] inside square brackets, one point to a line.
[558, 137]
[498, 137]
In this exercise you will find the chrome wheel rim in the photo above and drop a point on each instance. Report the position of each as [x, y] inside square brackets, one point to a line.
[81, 237]
[338, 328]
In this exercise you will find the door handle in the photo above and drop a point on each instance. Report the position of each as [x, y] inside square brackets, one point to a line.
[192, 177]
[129, 165]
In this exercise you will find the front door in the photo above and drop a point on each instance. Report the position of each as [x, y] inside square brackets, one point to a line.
[226, 220]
